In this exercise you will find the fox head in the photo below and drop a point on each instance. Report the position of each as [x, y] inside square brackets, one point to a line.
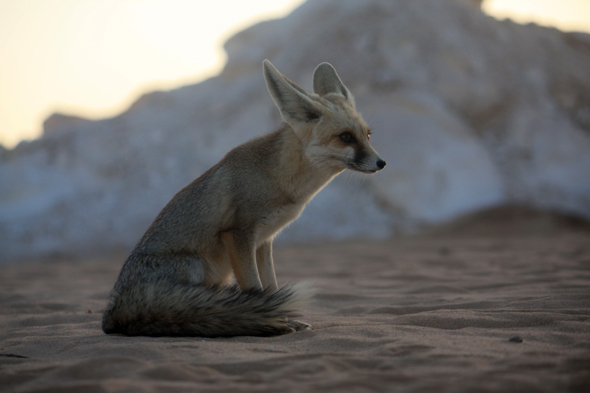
[333, 134]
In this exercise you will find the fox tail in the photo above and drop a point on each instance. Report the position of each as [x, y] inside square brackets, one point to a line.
[171, 309]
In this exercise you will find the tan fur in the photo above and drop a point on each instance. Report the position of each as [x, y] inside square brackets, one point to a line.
[177, 280]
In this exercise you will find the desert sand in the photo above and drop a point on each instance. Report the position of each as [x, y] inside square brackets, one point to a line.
[485, 305]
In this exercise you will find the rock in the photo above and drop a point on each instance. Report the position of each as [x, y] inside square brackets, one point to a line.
[61, 123]
[469, 112]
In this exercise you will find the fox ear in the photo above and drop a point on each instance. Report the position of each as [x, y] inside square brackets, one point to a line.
[295, 104]
[326, 81]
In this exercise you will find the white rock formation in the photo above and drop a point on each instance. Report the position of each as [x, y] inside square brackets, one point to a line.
[468, 112]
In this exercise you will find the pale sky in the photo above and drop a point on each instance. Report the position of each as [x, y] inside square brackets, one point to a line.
[93, 58]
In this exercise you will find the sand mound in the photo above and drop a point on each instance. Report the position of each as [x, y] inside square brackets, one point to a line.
[468, 111]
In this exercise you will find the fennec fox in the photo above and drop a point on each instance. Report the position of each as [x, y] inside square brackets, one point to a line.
[177, 280]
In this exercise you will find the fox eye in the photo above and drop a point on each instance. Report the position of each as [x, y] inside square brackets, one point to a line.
[347, 137]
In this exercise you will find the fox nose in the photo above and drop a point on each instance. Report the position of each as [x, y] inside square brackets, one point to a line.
[381, 164]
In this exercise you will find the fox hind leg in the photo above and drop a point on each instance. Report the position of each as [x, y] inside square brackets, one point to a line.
[298, 326]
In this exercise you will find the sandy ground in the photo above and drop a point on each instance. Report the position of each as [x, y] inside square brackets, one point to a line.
[487, 305]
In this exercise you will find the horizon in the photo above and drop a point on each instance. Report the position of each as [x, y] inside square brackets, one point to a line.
[93, 59]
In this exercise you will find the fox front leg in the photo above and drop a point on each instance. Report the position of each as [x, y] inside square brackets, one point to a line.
[243, 259]
[266, 268]
[268, 277]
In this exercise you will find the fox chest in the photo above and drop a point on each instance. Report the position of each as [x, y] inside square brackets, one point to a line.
[272, 222]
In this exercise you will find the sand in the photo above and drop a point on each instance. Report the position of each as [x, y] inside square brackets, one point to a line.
[484, 306]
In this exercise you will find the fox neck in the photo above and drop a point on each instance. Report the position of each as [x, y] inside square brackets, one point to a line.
[301, 177]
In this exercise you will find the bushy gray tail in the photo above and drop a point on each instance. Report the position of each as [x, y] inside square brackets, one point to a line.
[166, 309]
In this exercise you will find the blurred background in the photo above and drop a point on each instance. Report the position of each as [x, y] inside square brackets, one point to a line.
[94, 58]
[132, 99]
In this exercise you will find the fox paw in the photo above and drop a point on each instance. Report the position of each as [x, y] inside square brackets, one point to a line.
[298, 325]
